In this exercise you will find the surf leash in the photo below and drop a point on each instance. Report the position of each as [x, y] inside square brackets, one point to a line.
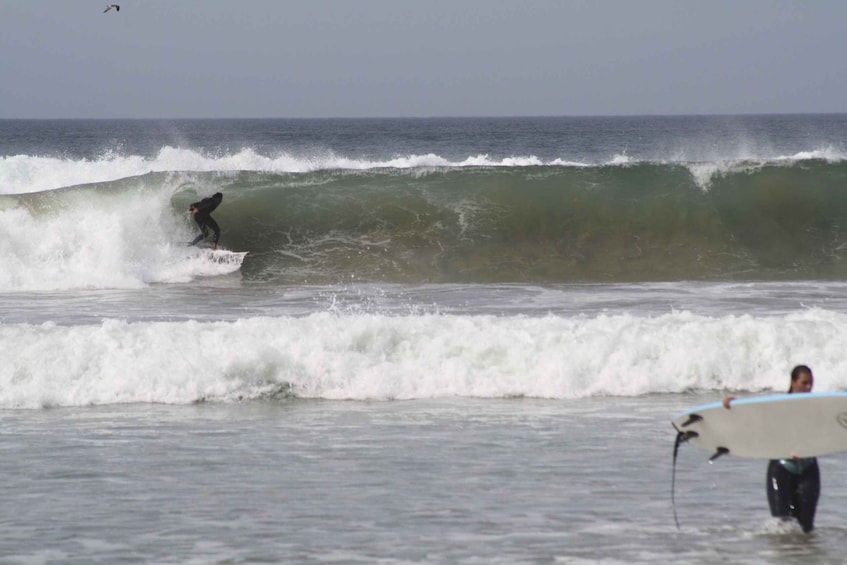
[681, 437]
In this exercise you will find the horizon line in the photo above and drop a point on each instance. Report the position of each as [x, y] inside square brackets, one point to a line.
[437, 117]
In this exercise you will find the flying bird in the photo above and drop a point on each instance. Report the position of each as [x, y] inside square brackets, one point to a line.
[110, 6]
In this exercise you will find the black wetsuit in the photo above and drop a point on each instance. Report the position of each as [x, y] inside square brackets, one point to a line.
[203, 218]
[793, 490]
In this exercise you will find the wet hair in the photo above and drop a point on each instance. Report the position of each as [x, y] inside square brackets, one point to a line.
[797, 371]
[218, 195]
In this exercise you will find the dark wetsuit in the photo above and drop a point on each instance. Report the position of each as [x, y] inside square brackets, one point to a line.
[204, 219]
[793, 490]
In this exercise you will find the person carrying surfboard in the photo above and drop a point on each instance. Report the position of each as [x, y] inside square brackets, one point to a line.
[794, 485]
[202, 216]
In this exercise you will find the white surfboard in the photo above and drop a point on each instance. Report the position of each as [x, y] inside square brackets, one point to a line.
[769, 427]
[226, 256]
[219, 255]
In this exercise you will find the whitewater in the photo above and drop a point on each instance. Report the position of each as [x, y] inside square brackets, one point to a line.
[379, 357]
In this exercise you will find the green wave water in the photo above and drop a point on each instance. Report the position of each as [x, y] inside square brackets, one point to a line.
[538, 224]
[535, 224]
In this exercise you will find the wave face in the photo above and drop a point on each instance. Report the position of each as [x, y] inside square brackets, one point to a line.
[102, 204]
[457, 224]
[544, 224]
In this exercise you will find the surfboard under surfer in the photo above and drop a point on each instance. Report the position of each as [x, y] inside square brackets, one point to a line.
[202, 211]
[794, 485]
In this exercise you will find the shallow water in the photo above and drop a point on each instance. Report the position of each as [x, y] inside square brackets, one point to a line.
[447, 481]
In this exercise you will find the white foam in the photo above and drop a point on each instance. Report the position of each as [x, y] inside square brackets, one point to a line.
[378, 357]
[20, 174]
[91, 240]
[621, 159]
[828, 153]
[704, 172]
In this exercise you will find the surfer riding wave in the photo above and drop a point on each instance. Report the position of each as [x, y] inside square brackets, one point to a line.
[202, 211]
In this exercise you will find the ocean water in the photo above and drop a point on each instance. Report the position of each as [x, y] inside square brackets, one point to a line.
[450, 341]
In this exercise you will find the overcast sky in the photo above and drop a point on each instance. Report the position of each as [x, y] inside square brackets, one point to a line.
[357, 58]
